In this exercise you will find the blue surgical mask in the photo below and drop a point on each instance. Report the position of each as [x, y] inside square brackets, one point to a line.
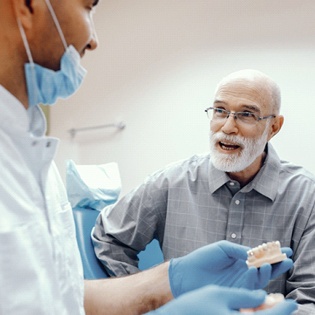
[45, 86]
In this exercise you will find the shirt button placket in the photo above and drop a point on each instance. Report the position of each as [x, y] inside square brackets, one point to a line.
[235, 219]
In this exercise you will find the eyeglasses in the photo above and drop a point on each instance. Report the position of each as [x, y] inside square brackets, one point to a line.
[249, 118]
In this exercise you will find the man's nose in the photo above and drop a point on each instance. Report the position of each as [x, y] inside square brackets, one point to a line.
[93, 43]
[230, 125]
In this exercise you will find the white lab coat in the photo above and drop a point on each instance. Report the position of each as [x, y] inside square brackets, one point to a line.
[40, 266]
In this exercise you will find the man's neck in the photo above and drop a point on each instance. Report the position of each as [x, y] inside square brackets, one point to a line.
[247, 175]
[13, 80]
[12, 57]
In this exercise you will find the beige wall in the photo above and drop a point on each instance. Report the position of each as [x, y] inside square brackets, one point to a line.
[157, 65]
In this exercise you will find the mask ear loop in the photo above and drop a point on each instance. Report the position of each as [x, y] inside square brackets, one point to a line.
[25, 42]
[30, 58]
[54, 17]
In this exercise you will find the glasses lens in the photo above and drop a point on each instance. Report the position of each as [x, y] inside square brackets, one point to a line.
[246, 117]
[210, 112]
[219, 113]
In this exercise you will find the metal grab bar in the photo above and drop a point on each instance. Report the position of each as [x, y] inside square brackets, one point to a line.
[120, 125]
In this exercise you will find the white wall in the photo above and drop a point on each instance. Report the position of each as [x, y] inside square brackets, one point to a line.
[157, 65]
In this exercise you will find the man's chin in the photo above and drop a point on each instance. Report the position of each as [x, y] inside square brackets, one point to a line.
[227, 163]
[226, 168]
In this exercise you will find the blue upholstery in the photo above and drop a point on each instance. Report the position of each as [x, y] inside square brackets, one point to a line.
[92, 267]
[84, 221]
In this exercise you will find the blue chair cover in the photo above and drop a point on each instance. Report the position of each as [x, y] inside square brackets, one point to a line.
[92, 267]
[84, 222]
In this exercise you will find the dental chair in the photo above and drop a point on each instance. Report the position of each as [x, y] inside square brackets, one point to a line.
[93, 269]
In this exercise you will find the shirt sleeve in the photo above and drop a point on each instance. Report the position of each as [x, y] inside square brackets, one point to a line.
[123, 230]
[301, 281]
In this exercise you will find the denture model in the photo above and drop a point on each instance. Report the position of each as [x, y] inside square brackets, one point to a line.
[266, 253]
[271, 300]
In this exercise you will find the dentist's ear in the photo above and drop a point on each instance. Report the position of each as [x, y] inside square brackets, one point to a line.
[29, 4]
[23, 10]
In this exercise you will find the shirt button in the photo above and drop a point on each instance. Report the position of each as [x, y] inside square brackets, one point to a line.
[237, 202]
[232, 184]
[233, 235]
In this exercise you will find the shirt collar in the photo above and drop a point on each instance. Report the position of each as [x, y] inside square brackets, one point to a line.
[265, 182]
[12, 111]
[14, 114]
[37, 121]
[217, 178]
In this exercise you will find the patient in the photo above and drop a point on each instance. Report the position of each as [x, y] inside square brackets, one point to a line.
[241, 192]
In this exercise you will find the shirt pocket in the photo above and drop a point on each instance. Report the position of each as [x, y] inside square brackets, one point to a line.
[68, 257]
[65, 220]
[27, 274]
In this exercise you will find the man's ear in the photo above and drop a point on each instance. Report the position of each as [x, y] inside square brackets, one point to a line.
[276, 126]
[23, 11]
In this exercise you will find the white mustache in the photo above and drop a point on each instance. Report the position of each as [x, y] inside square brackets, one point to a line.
[236, 140]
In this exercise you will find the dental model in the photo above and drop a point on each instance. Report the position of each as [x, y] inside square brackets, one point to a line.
[266, 253]
[271, 300]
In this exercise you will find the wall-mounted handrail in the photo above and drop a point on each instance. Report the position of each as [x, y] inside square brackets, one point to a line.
[120, 125]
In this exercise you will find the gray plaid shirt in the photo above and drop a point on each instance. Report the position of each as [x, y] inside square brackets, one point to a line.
[190, 204]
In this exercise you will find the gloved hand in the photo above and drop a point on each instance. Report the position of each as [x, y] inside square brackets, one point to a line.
[214, 300]
[222, 263]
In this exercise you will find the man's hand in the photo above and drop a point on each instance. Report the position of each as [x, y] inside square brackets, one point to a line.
[214, 300]
[222, 263]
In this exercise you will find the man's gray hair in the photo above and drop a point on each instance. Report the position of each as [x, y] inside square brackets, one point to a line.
[254, 76]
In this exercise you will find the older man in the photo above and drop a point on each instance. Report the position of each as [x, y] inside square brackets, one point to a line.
[241, 192]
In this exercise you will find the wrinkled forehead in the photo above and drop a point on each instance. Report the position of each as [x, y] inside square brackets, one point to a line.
[242, 91]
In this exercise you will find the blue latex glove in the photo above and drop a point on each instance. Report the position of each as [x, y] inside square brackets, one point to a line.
[222, 263]
[214, 300]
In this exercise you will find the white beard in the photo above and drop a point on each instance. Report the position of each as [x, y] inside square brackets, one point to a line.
[231, 163]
